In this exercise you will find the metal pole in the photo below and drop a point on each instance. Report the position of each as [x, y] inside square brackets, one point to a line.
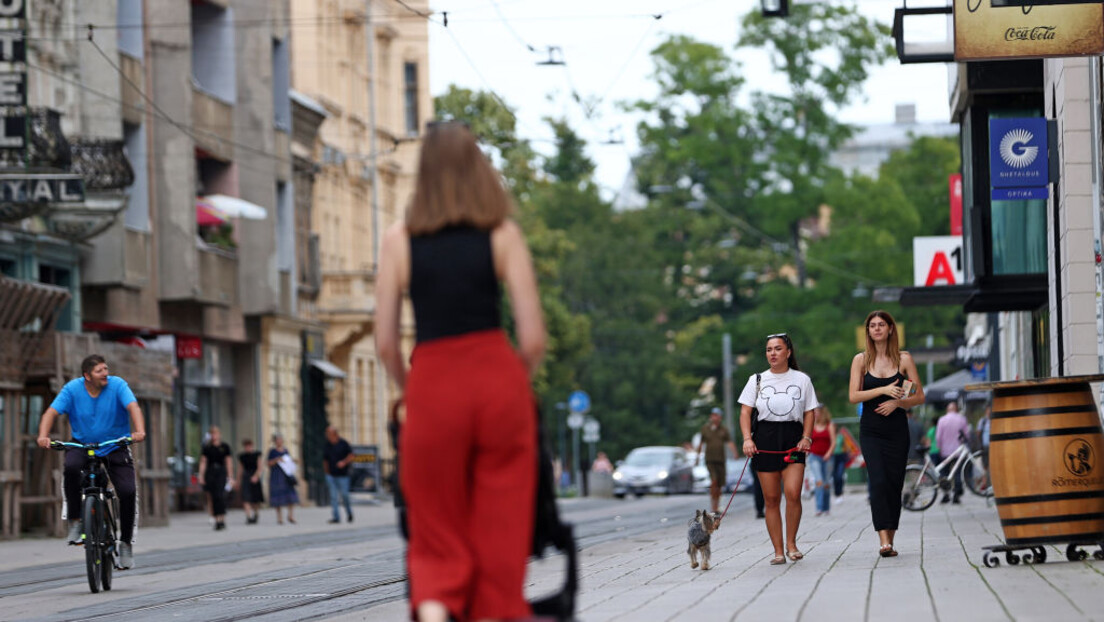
[575, 460]
[726, 358]
[930, 342]
[561, 424]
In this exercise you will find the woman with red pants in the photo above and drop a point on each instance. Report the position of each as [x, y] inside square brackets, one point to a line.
[469, 440]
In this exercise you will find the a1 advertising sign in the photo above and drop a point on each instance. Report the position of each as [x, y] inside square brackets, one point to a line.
[937, 260]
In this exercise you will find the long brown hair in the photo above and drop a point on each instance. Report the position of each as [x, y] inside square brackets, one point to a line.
[893, 346]
[456, 184]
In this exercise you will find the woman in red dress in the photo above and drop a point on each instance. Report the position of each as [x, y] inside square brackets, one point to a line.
[469, 440]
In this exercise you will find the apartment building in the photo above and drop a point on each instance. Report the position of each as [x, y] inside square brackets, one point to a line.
[365, 63]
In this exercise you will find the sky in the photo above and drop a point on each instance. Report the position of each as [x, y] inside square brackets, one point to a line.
[605, 46]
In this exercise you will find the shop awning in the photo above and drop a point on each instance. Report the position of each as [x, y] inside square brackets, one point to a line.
[952, 387]
[23, 302]
[235, 207]
[327, 368]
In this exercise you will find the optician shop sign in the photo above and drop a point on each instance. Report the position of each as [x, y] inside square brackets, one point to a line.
[1018, 163]
[991, 29]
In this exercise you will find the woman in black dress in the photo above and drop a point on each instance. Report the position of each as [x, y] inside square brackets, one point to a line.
[252, 492]
[216, 471]
[880, 379]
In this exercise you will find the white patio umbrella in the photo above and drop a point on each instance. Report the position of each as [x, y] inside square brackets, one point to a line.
[236, 208]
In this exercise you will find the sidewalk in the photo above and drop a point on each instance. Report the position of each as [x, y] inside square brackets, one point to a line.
[938, 575]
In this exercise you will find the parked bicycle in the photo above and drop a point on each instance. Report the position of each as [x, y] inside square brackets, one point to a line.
[924, 481]
[99, 513]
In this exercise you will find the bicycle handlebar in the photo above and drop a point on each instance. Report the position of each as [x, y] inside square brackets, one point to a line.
[122, 441]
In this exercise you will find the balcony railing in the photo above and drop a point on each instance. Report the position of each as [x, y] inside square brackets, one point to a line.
[218, 277]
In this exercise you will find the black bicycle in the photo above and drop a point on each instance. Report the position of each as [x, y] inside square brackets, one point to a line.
[99, 513]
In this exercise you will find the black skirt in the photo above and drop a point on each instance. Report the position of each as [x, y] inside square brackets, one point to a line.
[777, 436]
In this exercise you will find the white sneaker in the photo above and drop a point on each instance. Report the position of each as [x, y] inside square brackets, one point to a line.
[75, 535]
[126, 555]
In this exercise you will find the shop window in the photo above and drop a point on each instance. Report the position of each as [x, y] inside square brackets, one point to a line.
[1018, 228]
[61, 277]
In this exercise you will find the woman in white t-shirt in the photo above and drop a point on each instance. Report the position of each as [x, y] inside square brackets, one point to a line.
[786, 401]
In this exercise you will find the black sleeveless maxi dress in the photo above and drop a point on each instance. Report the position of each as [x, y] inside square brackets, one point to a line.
[885, 446]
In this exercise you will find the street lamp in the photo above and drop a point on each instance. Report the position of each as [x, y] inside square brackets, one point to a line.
[775, 8]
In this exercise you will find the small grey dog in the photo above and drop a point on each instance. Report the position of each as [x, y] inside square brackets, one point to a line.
[701, 529]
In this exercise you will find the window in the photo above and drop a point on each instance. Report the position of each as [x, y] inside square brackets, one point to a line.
[281, 85]
[128, 18]
[213, 58]
[137, 210]
[410, 92]
[1018, 228]
[285, 228]
[7, 267]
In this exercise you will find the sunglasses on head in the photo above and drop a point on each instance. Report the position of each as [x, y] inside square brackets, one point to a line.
[779, 336]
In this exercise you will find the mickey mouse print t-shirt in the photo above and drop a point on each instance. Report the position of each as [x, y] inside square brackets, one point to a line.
[782, 397]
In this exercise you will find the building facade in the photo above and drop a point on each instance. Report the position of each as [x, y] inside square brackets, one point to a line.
[365, 63]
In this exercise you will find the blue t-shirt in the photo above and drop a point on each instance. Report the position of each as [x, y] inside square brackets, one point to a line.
[96, 419]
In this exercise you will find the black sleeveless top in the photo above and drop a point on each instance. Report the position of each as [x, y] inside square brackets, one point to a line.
[870, 381]
[453, 284]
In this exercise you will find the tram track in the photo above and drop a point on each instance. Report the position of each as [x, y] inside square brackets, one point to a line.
[307, 592]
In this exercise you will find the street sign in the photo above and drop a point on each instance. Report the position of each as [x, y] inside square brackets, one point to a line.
[937, 260]
[591, 430]
[1018, 163]
[578, 402]
[575, 421]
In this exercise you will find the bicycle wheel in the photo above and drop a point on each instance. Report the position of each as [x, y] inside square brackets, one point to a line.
[108, 543]
[92, 525]
[920, 489]
[976, 475]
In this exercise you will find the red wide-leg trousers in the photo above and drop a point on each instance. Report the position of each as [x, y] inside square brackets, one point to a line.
[468, 473]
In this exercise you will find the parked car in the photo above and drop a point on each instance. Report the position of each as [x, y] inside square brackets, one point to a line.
[733, 466]
[701, 473]
[662, 470]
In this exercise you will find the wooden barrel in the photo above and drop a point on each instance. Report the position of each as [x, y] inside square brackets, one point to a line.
[1045, 448]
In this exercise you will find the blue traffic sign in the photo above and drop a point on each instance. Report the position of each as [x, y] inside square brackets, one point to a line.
[579, 402]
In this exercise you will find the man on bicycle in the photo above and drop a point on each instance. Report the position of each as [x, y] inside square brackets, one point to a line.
[98, 406]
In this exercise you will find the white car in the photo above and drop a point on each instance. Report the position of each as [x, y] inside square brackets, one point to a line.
[701, 474]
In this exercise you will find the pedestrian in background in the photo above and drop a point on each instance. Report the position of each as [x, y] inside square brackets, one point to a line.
[916, 439]
[252, 493]
[878, 376]
[714, 438]
[281, 480]
[820, 453]
[785, 402]
[602, 464]
[468, 444]
[840, 458]
[216, 471]
[951, 432]
[337, 455]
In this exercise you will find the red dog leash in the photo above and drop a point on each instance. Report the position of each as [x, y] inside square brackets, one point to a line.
[789, 458]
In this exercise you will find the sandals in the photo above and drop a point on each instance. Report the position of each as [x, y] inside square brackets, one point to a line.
[778, 560]
[795, 555]
[887, 550]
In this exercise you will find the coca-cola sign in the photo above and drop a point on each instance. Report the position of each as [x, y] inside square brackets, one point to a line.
[987, 30]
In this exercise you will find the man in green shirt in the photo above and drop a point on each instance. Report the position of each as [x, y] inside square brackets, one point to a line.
[713, 438]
